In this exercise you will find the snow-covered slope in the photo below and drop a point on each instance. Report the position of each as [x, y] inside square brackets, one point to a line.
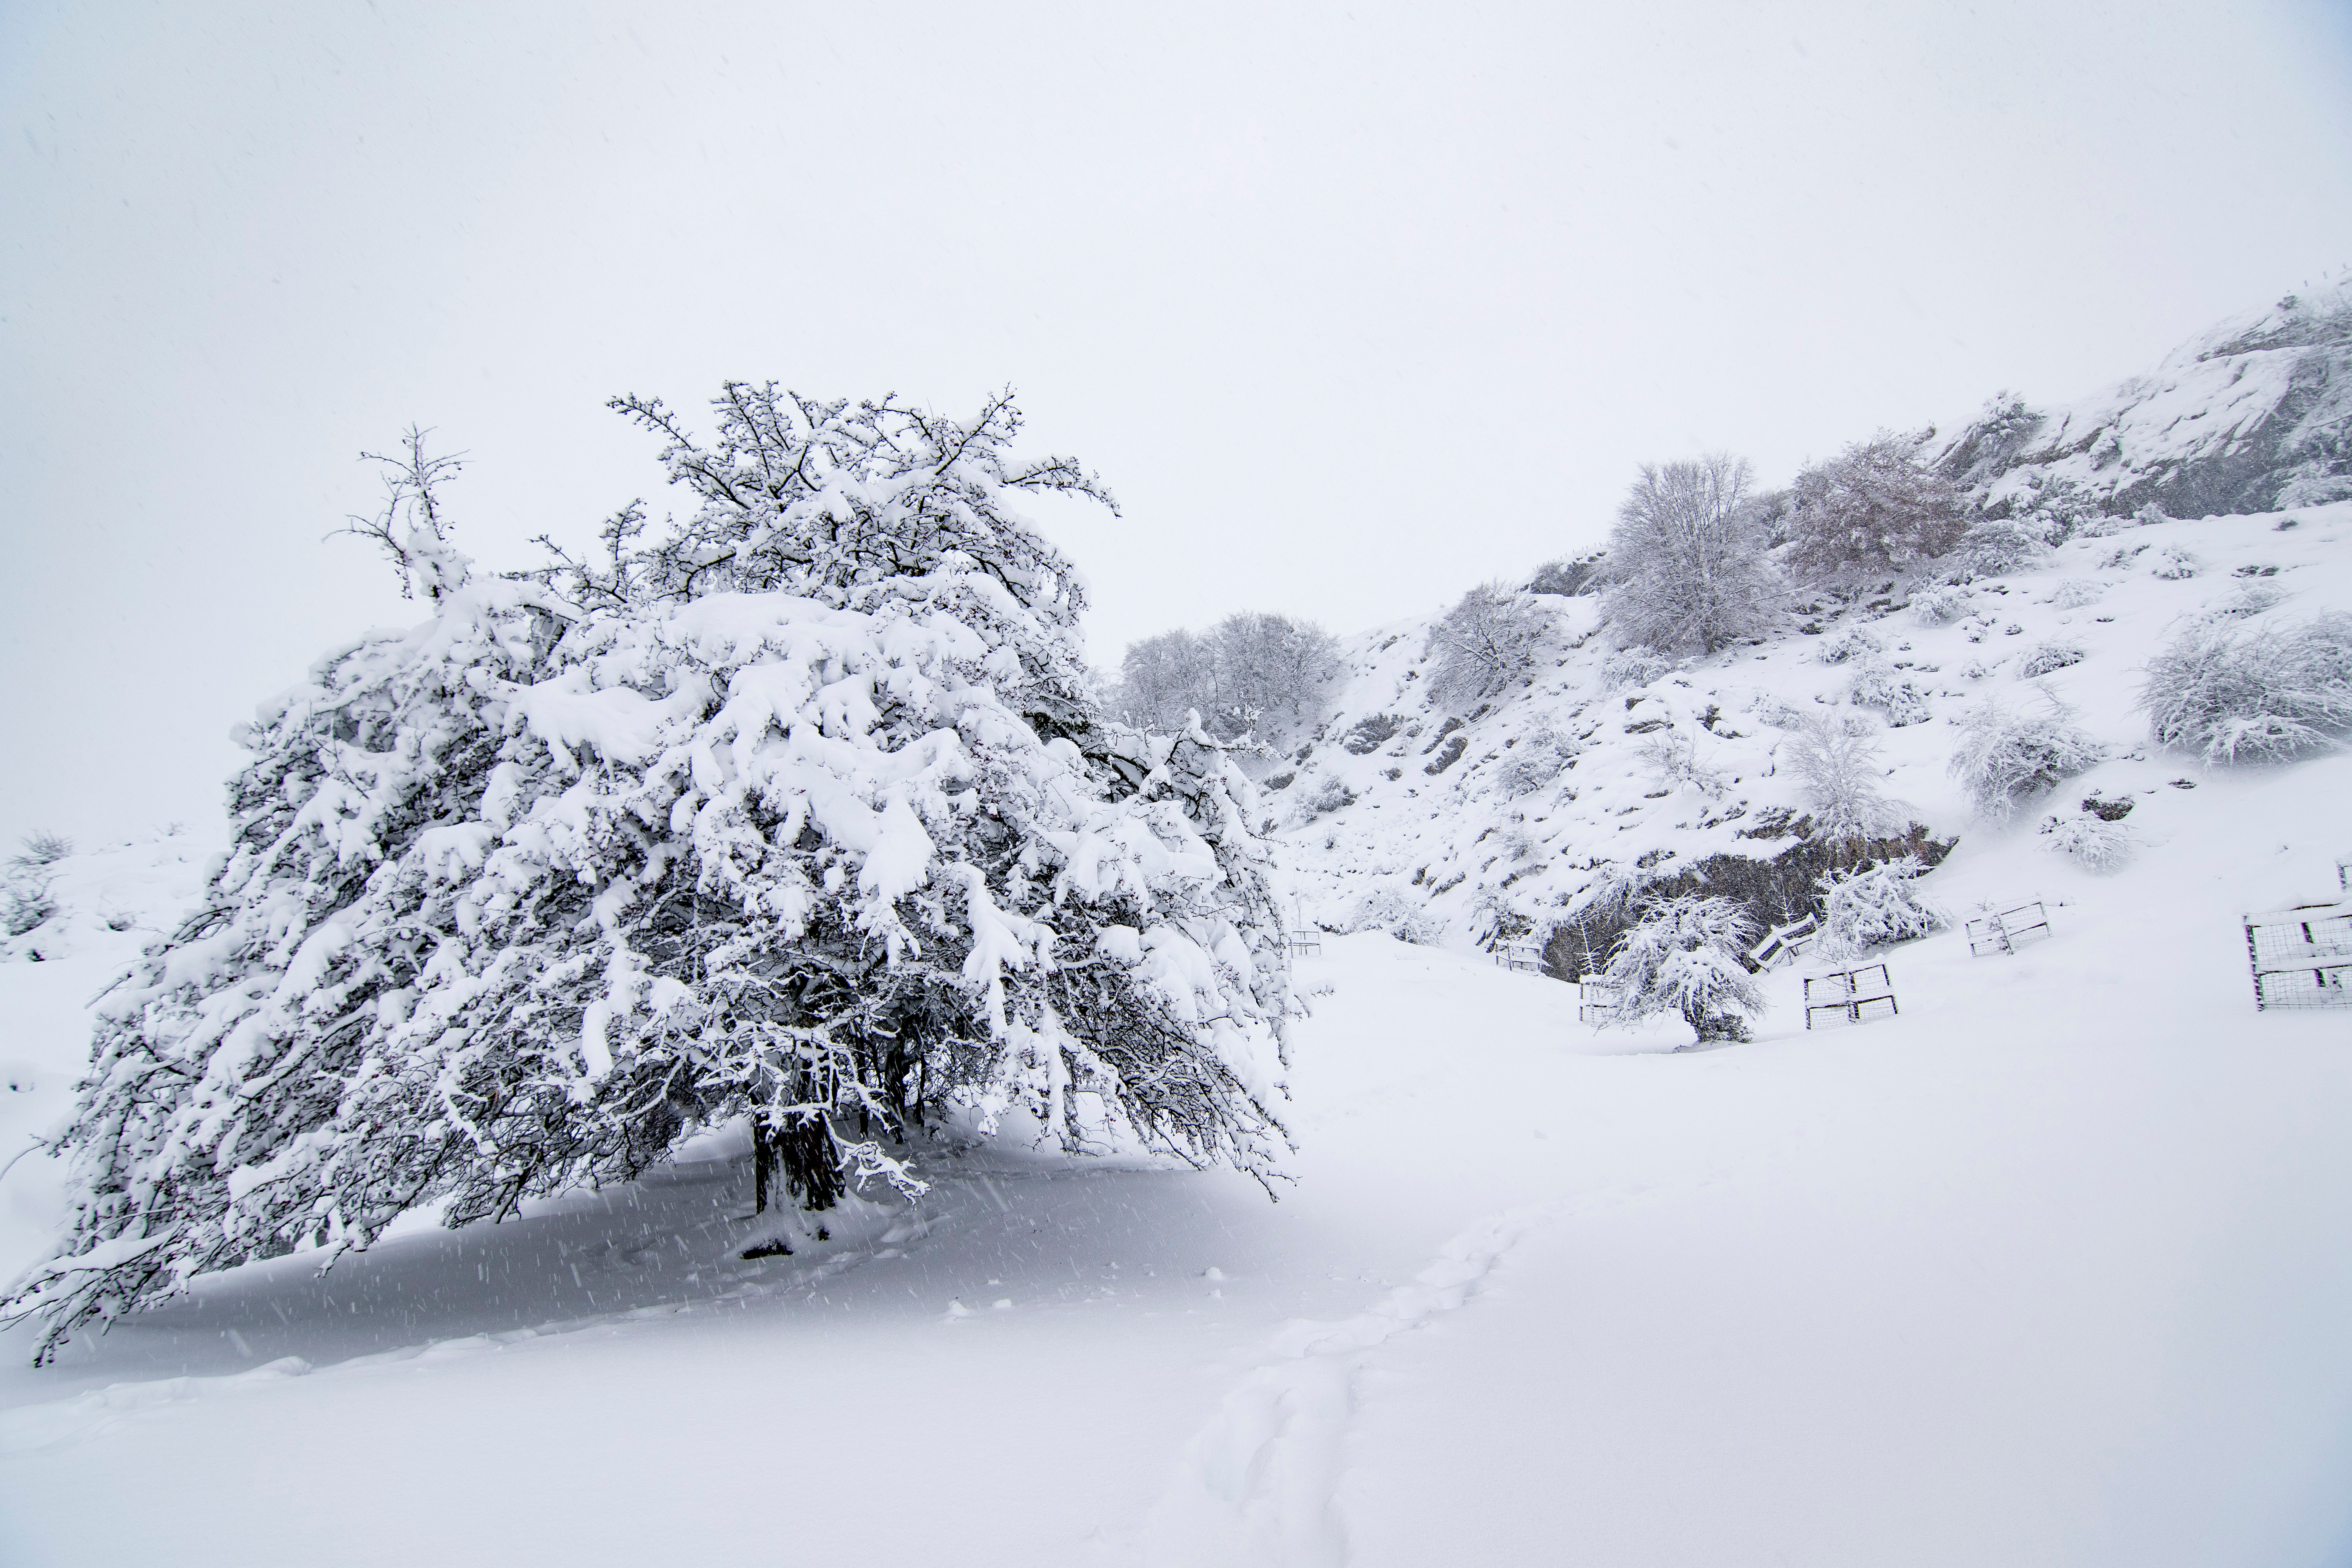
[1441, 825]
[2253, 414]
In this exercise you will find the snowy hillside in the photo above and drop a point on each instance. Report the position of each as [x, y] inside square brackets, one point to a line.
[1611, 767]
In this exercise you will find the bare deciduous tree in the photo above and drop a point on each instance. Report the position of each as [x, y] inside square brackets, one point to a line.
[1484, 643]
[1686, 561]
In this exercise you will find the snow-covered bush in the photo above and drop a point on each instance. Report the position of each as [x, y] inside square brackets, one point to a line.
[2005, 758]
[799, 813]
[1996, 546]
[2089, 841]
[2075, 593]
[28, 882]
[1875, 509]
[1684, 955]
[1870, 906]
[2173, 564]
[2251, 600]
[1326, 797]
[1486, 644]
[2236, 694]
[1879, 685]
[1386, 909]
[1635, 666]
[1939, 605]
[1686, 564]
[1674, 761]
[1857, 641]
[1835, 762]
[1540, 757]
[2054, 654]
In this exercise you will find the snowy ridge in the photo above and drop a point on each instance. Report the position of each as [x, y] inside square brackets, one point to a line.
[2253, 414]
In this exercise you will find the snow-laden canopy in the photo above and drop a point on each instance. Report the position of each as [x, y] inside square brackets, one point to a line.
[523, 895]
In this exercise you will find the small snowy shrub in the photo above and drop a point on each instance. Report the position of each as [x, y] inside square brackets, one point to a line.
[1327, 798]
[1386, 909]
[1684, 955]
[2045, 657]
[2238, 694]
[2005, 758]
[1870, 906]
[2250, 600]
[1535, 761]
[1486, 645]
[1675, 760]
[2076, 592]
[2173, 564]
[1632, 666]
[1879, 685]
[1938, 606]
[1995, 546]
[27, 884]
[1857, 643]
[1977, 669]
[1836, 764]
[2089, 841]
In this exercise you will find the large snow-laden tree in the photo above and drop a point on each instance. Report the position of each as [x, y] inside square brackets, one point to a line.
[798, 811]
[1684, 955]
[1687, 561]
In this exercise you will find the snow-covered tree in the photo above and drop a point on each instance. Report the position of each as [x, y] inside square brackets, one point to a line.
[1870, 905]
[798, 812]
[1253, 674]
[1875, 509]
[1836, 764]
[1486, 644]
[2235, 694]
[2005, 758]
[1684, 955]
[1687, 562]
[1273, 675]
[1162, 678]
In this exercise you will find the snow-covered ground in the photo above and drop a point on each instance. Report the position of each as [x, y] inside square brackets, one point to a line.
[2051, 1268]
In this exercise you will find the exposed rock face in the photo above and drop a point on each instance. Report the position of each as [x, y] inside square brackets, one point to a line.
[2252, 416]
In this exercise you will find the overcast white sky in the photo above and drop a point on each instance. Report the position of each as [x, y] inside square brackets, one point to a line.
[1352, 305]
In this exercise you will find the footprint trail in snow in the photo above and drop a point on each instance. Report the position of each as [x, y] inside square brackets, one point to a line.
[1256, 1486]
